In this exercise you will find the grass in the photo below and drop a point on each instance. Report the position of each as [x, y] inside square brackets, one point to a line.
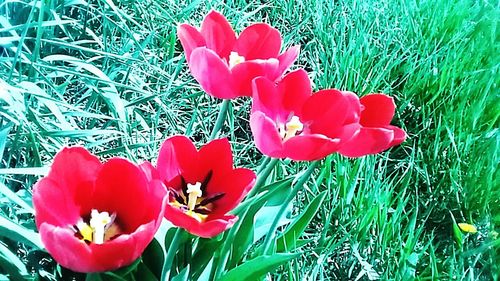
[112, 77]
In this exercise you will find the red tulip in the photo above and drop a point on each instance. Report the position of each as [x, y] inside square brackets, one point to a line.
[288, 122]
[95, 216]
[376, 133]
[203, 185]
[225, 65]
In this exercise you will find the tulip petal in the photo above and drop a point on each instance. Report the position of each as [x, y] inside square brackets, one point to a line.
[219, 152]
[71, 176]
[207, 229]
[218, 34]
[295, 89]
[243, 74]
[177, 155]
[310, 147]
[235, 185]
[378, 110]
[367, 141]
[265, 134]
[212, 73]
[287, 58]
[120, 181]
[258, 41]
[328, 111]
[399, 135]
[190, 39]
[267, 99]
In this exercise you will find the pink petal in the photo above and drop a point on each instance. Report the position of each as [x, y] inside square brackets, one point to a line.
[378, 110]
[295, 89]
[190, 39]
[267, 99]
[235, 184]
[310, 147]
[218, 34]
[215, 156]
[266, 135]
[212, 73]
[367, 141]
[399, 135]
[123, 188]
[207, 229]
[258, 41]
[287, 58]
[243, 74]
[177, 155]
[328, 110]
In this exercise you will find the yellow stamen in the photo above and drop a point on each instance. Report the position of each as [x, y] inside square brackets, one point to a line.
[469, 228]
[292, 127]
[85, 230]
[234, 59]
[194, 191]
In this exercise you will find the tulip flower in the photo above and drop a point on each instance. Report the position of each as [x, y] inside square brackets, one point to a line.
[94, 216]
[288, 121]
[376, 134]
[203, 185]
[224, 64]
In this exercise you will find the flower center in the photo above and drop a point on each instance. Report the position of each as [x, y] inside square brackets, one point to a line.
[101, 227]
[291, 128]
[234, 59]
[194, 200]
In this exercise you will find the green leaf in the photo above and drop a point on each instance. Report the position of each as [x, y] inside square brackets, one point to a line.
[288, 240]
[257, 267]
[18, 233]
[459, 237]
[153, 257]
[11, 264]
[12, 196]
[183, 275]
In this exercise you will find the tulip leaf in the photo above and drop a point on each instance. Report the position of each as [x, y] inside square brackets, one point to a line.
[183, 275]
[287, 240]
[153, 257]
[18, 233]
[12, 196]
[252, 269]
[246, 233]
[143, 273]
[11, 264]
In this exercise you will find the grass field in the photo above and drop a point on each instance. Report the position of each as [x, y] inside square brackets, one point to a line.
[111, 75]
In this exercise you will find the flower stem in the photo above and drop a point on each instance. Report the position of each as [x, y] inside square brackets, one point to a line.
[220, 119]
[274, 226]
[262, 177]
[172, 250]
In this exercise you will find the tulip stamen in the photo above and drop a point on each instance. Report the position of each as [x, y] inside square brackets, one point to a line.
[293, 127]
[101, 227]
[234, 59]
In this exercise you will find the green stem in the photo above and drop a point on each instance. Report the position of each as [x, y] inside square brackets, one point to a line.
[220, 119]
[172, 250]
[274, 226]
[262, 177]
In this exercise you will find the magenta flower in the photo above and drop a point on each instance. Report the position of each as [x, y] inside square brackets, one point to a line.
[288, 122]
[95, 216]
[224, 64]
[203, 185]
[376, 133]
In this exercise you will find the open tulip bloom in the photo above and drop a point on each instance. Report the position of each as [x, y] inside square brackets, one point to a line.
[288, 121]
[203, 185]
[95, 216]
[224, 64]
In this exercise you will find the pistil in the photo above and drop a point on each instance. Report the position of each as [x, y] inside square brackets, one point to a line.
[194, 192]
[292, 128]
[100, 228]
[234, 59]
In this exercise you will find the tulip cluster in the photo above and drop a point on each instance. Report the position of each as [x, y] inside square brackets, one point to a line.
[95, 216]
